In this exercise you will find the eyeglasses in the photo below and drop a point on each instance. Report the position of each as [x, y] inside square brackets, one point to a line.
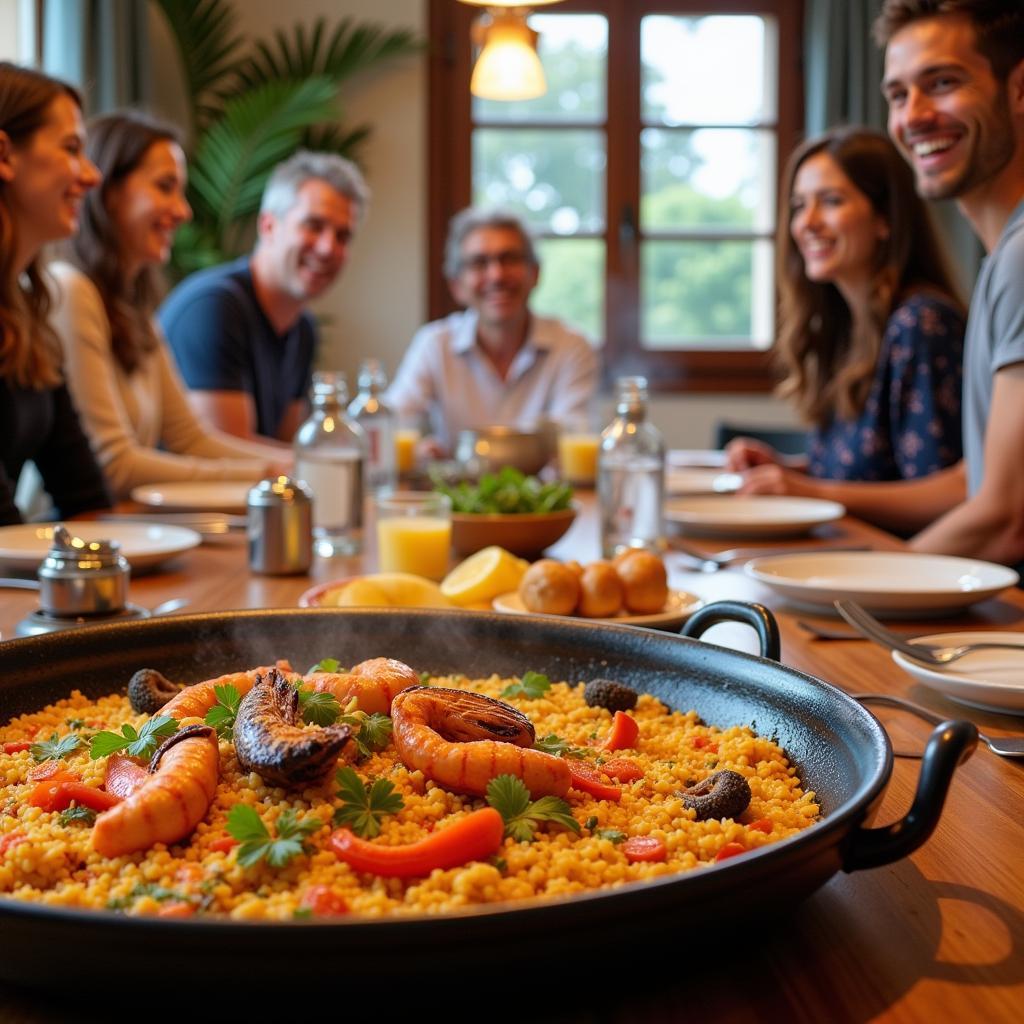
[510, 259]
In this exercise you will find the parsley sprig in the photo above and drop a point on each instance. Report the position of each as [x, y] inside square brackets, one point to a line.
[134, 744]
[83, 814]
[245, 825]
[318, 708]
[552, 744]
[325, 665]
[511, 799]
[55, 748]
[223, 714]
[532, 685]
[364, 805]
[374, 732]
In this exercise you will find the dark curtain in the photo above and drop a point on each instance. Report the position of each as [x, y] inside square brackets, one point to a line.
[842, 76]
[102, 46]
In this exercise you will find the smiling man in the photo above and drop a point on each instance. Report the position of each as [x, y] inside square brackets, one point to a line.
[241, 332]
[494, 363]
[954, 81]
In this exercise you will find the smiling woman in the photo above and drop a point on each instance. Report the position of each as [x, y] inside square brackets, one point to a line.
[121, 377]
[44, 173]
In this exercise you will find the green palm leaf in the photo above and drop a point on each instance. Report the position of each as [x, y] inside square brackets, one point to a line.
[258, 130]
[349, 49]
[333, 138]
[204, 31]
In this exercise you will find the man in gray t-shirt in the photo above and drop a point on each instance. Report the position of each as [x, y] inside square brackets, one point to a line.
[954, 82]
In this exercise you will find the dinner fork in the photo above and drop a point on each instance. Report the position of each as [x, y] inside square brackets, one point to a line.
[927, 654]
[1005, 746]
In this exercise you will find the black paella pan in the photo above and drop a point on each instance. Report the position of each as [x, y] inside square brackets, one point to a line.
[841, 751]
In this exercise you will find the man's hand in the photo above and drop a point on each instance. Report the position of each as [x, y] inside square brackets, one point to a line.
[743, 453]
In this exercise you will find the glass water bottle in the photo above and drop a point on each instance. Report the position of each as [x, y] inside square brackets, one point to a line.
[631, 474]
[378, 422]
[330, 450]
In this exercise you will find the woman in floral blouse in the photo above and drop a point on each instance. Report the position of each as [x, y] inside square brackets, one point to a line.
[871, 331]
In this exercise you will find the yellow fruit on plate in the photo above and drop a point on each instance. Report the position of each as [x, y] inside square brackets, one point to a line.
[483, 576]
[389, 590]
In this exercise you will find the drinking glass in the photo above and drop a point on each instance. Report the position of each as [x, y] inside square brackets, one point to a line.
[414, 533]
[578, 443]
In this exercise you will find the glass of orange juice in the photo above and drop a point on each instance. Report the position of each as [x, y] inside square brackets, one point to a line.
[406, 439]
[577, 455]
[414, 533]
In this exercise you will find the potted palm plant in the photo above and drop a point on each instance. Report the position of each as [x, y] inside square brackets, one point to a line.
[252, 103]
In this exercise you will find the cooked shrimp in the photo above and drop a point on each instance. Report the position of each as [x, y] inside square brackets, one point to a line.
[462, 740]
[374, 683]
[194, 701]
[171, 803]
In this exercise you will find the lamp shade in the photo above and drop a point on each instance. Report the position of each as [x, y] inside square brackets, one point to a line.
[508, 67]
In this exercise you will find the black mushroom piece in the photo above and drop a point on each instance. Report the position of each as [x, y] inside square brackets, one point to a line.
[607, 693]
[269, 742]
[724, 794]
[149, 691]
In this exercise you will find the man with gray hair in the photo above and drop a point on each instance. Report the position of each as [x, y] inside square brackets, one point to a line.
[494, 363]
[241, 332]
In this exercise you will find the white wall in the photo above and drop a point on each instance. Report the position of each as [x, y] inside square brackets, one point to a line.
[381, 298]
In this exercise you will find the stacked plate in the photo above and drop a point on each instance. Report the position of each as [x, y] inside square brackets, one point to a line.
[735, 516]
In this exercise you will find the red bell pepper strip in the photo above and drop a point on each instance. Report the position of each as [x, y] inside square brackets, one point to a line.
[762, 825]
[176, 908]
[52, 770]
[11, 839]
[16, 748]
[644, 848]
[323, 901]
[730, 850]
[59, 794]
[224, 845]
[586, 779]
[625, 730]
[622, 769]
[474, 837]
[124, 776]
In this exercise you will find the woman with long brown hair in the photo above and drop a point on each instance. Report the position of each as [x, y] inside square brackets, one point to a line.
[870, 338]
[44, 175]
[125, 384]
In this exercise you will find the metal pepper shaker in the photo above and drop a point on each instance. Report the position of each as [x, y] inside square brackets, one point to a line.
[280, 523]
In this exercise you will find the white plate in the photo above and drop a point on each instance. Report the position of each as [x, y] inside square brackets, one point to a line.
[993, 680]
[700, 480]
[884, 582]
[678, 608]
[24, 546]
[195, 496]
[769, 516]
[714, 457]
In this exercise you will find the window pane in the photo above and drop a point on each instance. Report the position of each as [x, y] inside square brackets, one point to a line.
[717, 69]
[554, 179]
[705, 294]
[573, 49]
[572, 283]
[708, 178]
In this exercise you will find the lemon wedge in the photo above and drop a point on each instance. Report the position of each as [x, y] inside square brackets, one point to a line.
[389, 590]
[483, 576]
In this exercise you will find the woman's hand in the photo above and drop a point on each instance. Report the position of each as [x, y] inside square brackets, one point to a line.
[774, 479]
[743, 453]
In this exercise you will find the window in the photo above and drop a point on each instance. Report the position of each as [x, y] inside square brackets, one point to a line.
[648, 171]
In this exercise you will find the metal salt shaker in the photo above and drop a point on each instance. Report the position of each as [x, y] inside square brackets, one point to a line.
[80, 577]
[280, 522]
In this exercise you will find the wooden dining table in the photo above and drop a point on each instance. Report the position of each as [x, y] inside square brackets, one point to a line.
[937, 936]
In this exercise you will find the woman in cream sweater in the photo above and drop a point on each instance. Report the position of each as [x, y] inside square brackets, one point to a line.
[129, 395]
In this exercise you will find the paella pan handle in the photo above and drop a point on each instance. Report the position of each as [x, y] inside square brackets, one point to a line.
[949, 745]
[760, 620]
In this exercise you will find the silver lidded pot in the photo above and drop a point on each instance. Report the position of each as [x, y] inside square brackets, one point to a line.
[280, 522]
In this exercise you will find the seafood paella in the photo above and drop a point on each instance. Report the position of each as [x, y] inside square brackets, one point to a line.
[271, 794]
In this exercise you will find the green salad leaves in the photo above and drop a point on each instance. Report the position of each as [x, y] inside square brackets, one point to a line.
[507, 491]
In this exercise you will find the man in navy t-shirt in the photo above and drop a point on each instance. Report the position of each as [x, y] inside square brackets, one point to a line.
[241, 333]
